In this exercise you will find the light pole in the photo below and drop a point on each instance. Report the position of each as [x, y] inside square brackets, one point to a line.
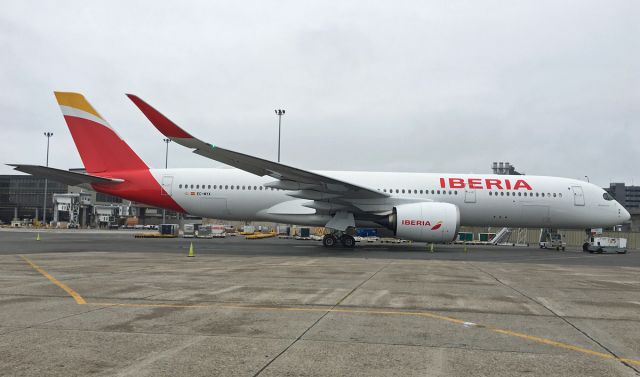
[166, 163]
[279, 113]
[44, 206]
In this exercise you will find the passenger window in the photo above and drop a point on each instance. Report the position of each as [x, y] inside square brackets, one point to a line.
[560, 194]
[449, 192]
[226, 187]
[243, 187]
[438, 192]
[403, 191]
[554, 194]
[420, 191]
[501, 193]
[260, 187]
[209, 186]
[490, 193]
[456, 192]
[433, 192]
[507, 193]
[179, 186]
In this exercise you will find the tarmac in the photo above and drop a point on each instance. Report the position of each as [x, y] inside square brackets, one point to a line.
[80, 303]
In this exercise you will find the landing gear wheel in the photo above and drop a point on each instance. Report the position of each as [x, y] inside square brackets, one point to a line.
[329, 240]
[348, 241]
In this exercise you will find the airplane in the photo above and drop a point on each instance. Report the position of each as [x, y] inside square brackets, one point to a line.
[426, 207]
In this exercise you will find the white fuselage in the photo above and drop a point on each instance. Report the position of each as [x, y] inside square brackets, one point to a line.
[551, 202]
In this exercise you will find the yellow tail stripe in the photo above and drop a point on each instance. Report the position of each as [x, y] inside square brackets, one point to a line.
[76, 100]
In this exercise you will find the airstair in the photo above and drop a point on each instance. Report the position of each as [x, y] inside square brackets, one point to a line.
[501, 237]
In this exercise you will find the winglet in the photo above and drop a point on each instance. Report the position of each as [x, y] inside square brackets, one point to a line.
[161, 122]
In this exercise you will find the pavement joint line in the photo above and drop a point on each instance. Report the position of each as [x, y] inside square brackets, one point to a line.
[326, 312]
[564, 319]
[80, 301]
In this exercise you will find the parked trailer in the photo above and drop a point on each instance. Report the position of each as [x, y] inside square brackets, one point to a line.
[188, 230]
[204, 231]
[606, 244]
[169, 229]
[218, 231]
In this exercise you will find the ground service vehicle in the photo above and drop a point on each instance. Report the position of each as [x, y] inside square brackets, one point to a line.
[549, 239]
[606, 244]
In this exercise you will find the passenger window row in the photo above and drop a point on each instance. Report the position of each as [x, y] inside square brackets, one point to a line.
[537, 194]
[226, 187]
[397, 191]
[421, 192]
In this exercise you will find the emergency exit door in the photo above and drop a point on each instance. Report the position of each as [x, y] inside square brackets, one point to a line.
[167, 184]
[578, 195]
[469, 196]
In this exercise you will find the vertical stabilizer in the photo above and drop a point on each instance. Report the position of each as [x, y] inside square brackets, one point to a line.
[100, 147]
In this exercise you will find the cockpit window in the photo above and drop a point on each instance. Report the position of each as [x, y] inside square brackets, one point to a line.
[607, 196]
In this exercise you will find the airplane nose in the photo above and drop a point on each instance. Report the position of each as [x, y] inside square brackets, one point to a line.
[626, 216]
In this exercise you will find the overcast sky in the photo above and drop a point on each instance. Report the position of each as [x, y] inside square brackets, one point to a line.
[426, 86]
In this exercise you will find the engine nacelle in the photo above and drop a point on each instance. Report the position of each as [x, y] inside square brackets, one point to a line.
[426, 222]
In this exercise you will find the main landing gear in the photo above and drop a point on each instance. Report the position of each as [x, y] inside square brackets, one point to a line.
[331, 240]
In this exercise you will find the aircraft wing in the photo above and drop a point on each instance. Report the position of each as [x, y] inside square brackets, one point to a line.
[304, 183]
[63, 176]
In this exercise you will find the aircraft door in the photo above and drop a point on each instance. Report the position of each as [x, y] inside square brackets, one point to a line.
[578, 195]
[167, 185]
[469, 196]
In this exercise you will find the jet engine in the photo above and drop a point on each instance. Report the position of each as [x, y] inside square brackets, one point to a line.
[425, 222]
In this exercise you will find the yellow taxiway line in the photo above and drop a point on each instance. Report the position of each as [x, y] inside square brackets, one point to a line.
[71, 292]
[80, 301]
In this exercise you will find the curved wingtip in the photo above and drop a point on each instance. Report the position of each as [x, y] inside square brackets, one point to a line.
[161, 122]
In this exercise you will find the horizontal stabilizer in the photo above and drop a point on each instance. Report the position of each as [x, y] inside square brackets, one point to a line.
[64, 176]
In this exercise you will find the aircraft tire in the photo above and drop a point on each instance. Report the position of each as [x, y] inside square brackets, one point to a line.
[329, 240]
[348, 241]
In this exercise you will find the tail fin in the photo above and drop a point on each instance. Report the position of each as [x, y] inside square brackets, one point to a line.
[100, 147]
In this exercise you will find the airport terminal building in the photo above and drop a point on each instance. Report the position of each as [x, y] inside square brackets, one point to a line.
[22, 197]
